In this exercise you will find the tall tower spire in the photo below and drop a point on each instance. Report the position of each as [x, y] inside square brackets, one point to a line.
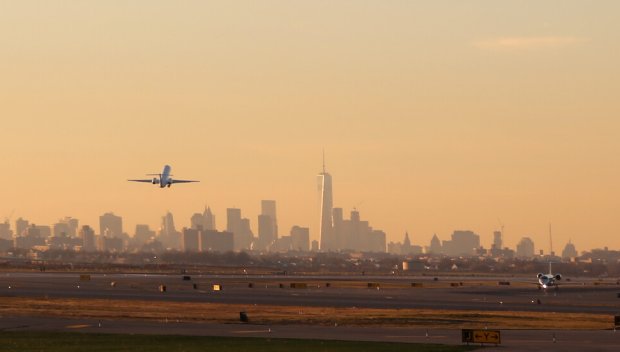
[550, 241]
[326, 240]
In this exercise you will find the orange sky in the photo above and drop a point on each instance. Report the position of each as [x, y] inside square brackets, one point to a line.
[435, 116]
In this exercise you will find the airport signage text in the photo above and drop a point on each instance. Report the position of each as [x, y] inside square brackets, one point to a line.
[481, 336]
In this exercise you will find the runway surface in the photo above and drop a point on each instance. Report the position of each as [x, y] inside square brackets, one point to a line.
[474, 294]
[456, 293]
[512, 340]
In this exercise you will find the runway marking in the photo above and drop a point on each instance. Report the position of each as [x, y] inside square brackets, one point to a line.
[416, 336]
[251, 331]
[78, 326]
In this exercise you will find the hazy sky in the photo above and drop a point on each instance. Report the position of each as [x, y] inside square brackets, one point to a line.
[434, 115]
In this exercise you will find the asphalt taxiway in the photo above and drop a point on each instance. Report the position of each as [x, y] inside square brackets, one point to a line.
[511, 340]
[467, 294]
[458, 293]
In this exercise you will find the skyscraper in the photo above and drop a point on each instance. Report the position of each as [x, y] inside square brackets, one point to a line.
[435, 246]
[168, 234]
[268, 207]
[5, 231]
[300, 238]
[209, 219]
[20, 226]
[88, 239]
[190, 240]
[233, 220]
[497, 239]
[197, 221]
[569, 251]
[112, 223]
[265, 232]
[267, 225]
[525, 248]
[325, 221]
[240, 228]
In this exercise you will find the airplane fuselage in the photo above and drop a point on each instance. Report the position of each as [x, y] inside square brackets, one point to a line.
[546, 281]
[164, 179]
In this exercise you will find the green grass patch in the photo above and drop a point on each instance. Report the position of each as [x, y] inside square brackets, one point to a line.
[69, 342]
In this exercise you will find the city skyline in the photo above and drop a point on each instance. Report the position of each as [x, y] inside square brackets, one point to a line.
[463, 242]
[325, 179]
[434, 117]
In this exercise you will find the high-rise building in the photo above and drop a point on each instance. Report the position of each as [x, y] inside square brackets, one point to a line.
[246, 237]
[326, 239]
[300, 238]
[408, 248]
[240, 228]
[233, 219]
[73, 225]
[204, 220]
[338, 229]
[462, 243]
[268, 207]
[142, 235]
[435, 246]
[112, 223]
[267, 224]
[190, 240]
[197, 221]
[5, 231]
[497, 239]
[265, 232]
[569, 251]
[20, 226]
[88, 239]
[525, 248]
[61, 228]
[209, 219]
[168, 235]
[355, 234]
[67, 225]
[44, 231]
[30, 237]
[215, 241]
[314, 246]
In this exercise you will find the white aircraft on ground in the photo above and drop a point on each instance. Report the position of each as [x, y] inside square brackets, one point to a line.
[548, 280]
[164, 179]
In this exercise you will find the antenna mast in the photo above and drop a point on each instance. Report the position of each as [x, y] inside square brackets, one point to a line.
[323, 160]
[550, 241]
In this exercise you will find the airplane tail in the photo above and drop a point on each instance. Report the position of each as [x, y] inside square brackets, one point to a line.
[550, 272]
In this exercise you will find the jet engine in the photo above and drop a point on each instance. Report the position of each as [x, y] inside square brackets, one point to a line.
[539, 275]
[558, 277]
[155, 180]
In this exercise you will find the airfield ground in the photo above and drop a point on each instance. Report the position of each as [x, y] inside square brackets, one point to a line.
[391, 309]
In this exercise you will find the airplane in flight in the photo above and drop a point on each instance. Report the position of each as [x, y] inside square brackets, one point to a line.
[164, 179]
[548, 280]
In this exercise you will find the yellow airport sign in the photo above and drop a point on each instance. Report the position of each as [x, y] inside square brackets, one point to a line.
[481, 336]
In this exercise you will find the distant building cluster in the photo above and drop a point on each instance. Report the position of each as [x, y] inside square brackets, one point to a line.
[201, 236]
[467, 244]
[339, 234]
[336, 234]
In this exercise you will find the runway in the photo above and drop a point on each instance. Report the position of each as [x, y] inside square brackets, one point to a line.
[512, 340]
[397, 293]
[445, 293]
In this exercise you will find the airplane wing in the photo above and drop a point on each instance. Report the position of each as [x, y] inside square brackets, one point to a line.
[149, 181]
[183, 181]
